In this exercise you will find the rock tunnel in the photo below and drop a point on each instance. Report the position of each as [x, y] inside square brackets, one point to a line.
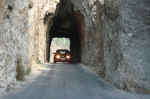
[68, 24]
[111, 37]
[97, 31]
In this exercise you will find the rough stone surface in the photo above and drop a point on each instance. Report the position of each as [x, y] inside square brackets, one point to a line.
[91, 41]
[22, 34]
[126, 44]
[116, 41]
[135, 47]
[13, 39]
[39, 26]
[114, 38]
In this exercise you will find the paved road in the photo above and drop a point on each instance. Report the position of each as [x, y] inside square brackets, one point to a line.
[67, 81]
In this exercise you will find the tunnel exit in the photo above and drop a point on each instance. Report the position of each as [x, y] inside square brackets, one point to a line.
[57, 44]
[66, 32]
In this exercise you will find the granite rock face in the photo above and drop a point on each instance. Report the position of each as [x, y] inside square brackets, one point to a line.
[38, 20]
[40, 15]
[116, 41]
[134, 41]
[91, 33]
[13, 39]
[126, 44]
[22, 35]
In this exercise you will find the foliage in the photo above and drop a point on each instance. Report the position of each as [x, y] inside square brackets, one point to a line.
[20, 72]
[38, 61]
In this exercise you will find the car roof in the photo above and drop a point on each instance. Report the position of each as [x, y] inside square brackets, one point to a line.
[62, 50]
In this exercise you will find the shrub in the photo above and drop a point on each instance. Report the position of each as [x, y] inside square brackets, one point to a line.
[20, 72]
[38, 61]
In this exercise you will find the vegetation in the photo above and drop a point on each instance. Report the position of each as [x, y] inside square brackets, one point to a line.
[20, 71]
[38, 61]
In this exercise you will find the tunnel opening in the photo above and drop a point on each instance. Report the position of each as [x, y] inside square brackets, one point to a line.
[57, 44]
[66, 24]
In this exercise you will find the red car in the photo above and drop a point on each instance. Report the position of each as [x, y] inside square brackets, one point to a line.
[62, 55]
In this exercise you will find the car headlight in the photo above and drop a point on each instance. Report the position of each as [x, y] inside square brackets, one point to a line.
[68, 56]
[58, 56]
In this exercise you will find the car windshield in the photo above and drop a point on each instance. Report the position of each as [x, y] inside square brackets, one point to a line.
[62, 51]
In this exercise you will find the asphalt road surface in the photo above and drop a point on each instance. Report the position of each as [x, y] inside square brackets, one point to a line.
[70, 81]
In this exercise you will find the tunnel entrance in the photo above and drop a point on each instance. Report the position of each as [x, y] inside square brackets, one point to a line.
[66, 24]
[56, 44]
[71, 32]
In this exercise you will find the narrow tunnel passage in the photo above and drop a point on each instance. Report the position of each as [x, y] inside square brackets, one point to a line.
[66, 25]
[107, 36]
[103, 43]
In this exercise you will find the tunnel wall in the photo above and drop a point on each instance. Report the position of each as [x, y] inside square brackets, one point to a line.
[89, 19]
[13, 40]
[126, 44]
[115, 41]
[39, 20]
[23, 28]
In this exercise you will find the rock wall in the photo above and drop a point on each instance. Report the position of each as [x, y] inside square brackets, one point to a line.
[23, 30]
[91, 36]
[114, 38]
[126, 44]
[112, 52]
[38, 19]
[134, 40]
[13, 39]
[115, 41]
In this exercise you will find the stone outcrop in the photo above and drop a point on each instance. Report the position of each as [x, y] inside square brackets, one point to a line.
[114, 37]
[116, 41]
[126, 44]
[13, 39]
[22, 35]
[39, 19]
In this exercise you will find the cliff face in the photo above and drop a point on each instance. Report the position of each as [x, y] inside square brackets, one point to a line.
[126, 30]
[13, 39]
[89, 20]
[22, 35]
[39, 19]
[134, 41]
[115, 41]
